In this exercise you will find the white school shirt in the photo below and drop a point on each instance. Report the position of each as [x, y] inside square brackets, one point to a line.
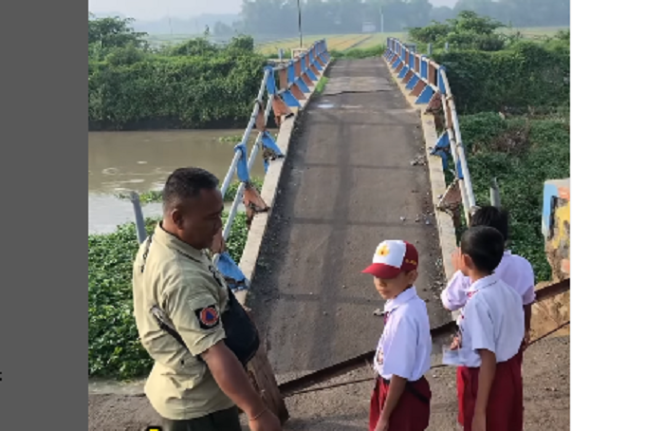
[513, 269]
[404, 348]
[492, 320]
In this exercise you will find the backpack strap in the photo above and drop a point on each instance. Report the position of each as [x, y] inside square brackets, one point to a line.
[159, 316]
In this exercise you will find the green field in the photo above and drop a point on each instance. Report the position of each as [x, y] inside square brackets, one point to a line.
[285, 44]
[380, 39]
[533, 32]
[338, 42]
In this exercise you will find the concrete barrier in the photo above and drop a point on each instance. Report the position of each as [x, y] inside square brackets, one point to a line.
[424, 84]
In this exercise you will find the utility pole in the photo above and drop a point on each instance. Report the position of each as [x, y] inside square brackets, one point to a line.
[299, 20]
[382, 20]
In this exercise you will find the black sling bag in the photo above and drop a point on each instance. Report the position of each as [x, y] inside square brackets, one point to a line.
[241, 334]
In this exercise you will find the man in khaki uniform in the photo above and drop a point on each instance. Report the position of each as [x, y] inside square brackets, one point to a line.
[173, 272]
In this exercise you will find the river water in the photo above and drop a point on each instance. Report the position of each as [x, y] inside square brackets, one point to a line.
[141, 161]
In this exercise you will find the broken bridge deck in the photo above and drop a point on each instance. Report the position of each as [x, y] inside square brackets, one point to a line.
[348, 183]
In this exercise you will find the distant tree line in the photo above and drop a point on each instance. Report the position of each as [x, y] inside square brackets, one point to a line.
[518, 13]
[280, 17]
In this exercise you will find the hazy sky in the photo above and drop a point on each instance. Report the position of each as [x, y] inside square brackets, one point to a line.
[156, 9]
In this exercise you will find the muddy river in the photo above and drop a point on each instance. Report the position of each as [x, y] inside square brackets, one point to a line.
[141, 161]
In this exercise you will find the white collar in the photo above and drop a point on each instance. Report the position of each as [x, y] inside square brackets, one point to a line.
[401, 299]
[483, 282]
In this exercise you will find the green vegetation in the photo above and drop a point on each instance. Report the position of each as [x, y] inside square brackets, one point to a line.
[271, 48]
[528, 82]
[525, 74]
[336, 43]
[360, 51]
[151, 196]
[373, 51]
[114, 349]
[201, 84]
[232, 188]
[493, 71]
[194, 84]
[231, 139]
[521, 153]
[320, 86]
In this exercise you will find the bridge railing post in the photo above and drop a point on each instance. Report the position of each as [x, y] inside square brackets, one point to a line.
[141, 233]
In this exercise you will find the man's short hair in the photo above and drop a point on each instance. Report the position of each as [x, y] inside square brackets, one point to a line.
[187, 183]
[485, 246]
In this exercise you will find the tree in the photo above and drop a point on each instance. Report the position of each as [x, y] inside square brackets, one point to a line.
[467, 31]
[114, 32]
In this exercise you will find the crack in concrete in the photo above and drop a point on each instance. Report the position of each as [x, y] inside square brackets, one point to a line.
[338, 93]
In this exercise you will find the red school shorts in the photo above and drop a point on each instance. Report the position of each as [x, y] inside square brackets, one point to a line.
[411, 413]
[505, 407]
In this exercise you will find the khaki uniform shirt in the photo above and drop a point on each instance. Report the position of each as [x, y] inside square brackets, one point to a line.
[181, 281]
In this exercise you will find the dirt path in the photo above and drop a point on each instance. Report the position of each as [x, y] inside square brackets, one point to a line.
[347, 184]
[345, 408]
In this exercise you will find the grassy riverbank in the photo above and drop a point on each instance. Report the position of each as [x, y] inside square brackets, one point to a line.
[193, 84]
[521, 152]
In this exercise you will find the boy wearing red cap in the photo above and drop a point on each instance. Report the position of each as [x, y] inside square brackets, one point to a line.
[401, 397]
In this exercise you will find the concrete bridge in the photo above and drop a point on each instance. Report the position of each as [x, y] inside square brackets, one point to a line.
[349, 168]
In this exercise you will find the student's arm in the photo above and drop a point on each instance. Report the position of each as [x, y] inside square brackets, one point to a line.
[527, 314]
[454, 295]
[397, 388]
[479, 325]
[528, 301]
[486, 375]
[399, 358]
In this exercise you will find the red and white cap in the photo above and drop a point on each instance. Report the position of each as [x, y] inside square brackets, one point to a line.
[393, 257]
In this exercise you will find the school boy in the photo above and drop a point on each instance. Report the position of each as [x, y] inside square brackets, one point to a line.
[513, 269]
[401, 396]
[491, 333]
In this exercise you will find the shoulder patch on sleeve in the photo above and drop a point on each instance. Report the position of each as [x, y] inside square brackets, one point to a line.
[208, 317]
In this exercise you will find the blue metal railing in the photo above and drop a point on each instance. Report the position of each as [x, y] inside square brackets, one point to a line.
[428, 82]
[283, 87]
